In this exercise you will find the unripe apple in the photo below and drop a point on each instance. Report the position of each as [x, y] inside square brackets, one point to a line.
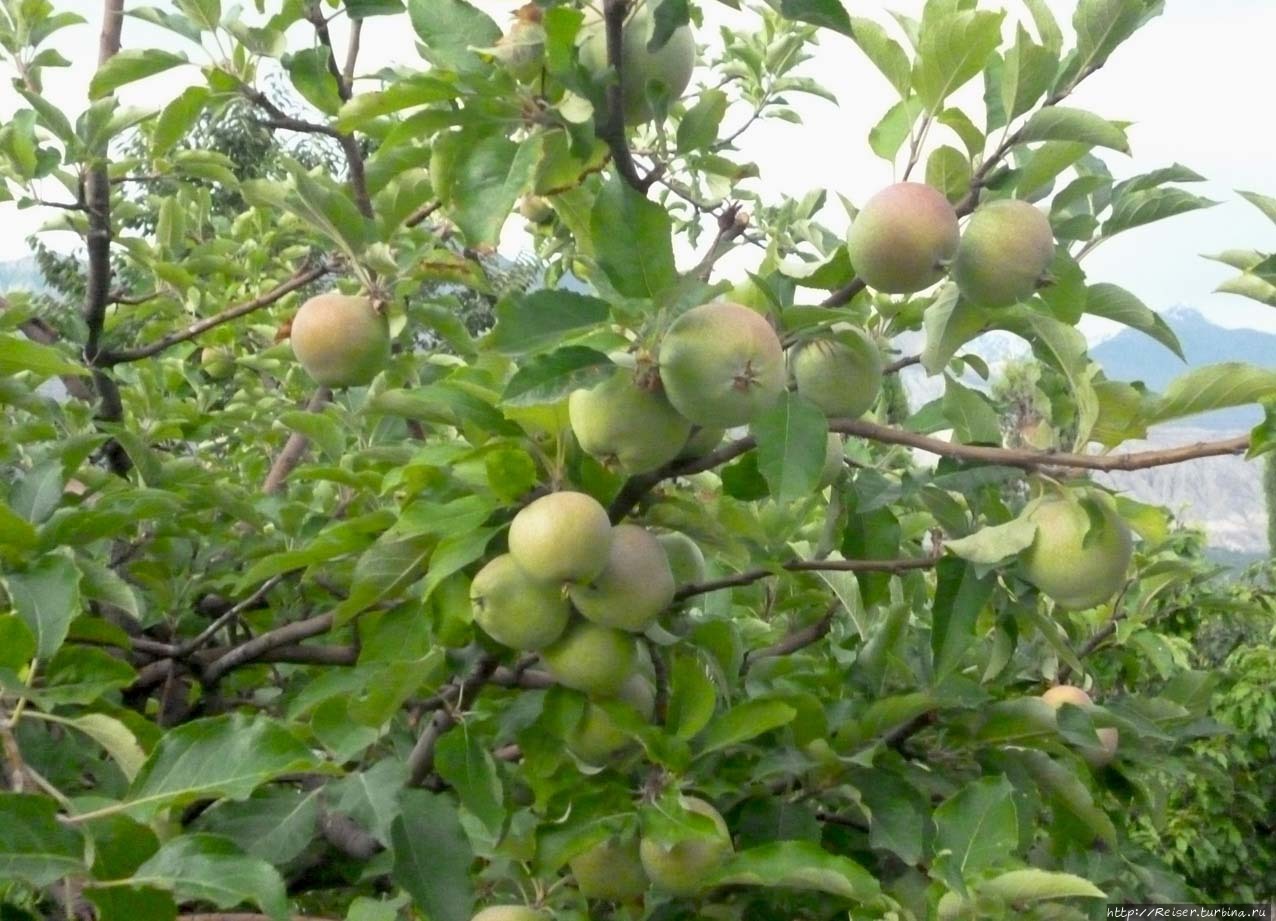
[1062, 694]
[834, 461]
[702, 441]
[634, 587]
[841, 376]
[669, 67]
[1109, 736]
[593, 659]
[621, 422]
[562, 537]
[1004, 252]
[721, 365]
[610, 870]
[516, 610]
[1066, 562]
[341, 340]
[218, 363]
[682, 868]
[686, 560]
[903, 238]
[510, 913]
[596, 738]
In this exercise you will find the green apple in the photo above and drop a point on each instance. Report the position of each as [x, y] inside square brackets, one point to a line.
[686, 560]
[721, 365]
[622, 423]
[218, 363]
[634, 587]
[903, 238]
[1067, 562]
[596, 660]
[666, 70]
[516, 610]
[596, 739]
[842, 376]
[682, 868]
[1005, 251]
[611, 870]
[341, 340]
[510, 913]
[562, 537]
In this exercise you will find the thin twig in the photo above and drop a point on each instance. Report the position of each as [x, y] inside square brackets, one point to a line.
[294, 448]
[258, 646]
[612, 130]
[185, 649]
[299, 279]
[732, 222]
[798, 639]
[421, 758]
[756, 575]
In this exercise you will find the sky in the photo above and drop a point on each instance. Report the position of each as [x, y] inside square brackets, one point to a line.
[1190, 82]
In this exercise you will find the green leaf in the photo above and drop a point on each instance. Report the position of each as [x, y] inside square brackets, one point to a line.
[1032, 885]
[888, 135]
[177, 118]
[276, 826]
[15, 531]
[948, 170]
[1027, 74]
[223, 756]
[960, 596]
[208, 868]
[745, 721]
[384, 571]
[1115, 303]
[47, 598]
[1264, 203]
[692, 696]
[827, 13]
[311, 77]
[18, 355]
[948, 324]
[551, 377]
[1060, 123]
[129, 65]
[978, 828]
[989, 546]
[885, 53]
[1101, 26]
[402, 94]
[699, 127]
[363, 9]
[1136, 208]
[799, 865]
[449, 30]
[486, 180]
[1047, 26]
[17, 645]
[953, 49]
[531, 322]
[899, 814]
[1047, 162]
[1067, 795]
[973, 418]
[35, 847]
[432, 857]
[116, 738]
[461, 759]
[638, 261]
[1219, 386]
[792, 441]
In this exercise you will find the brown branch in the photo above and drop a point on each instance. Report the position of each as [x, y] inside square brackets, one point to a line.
[281, 119]
[900, 364]
[299, 279]
[637, 487]
[421, 758]
[294, 448]
[756, 575]
[186, 648]
[256, 648]
[732, 222]
[798, 639]
[420, 214]
[347, 836]
[1100, 636]
[612, 130]
[844, 294]
[1015, 457]
[352, 54]
[315, 16]
[97, 241]
[119, 297]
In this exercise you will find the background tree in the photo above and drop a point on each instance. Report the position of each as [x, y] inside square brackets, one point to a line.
[435, 639]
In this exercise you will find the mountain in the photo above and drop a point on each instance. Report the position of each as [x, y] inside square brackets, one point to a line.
[21, 273]
[1132, 356]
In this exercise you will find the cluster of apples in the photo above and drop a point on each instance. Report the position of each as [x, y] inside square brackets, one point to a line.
[906, 237]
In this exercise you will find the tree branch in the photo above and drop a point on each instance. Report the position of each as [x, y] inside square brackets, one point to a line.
[798, 639]
[294, 448]
[258, 646]
[900, 364]
[732, 222]
[299, 279]
[421, 758]
[186, 648]
[756, 575]
[1014, 457]
[636, 487]
[612, 130]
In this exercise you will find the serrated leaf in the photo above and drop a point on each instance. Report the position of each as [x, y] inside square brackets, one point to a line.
[799, 865]
[978, 828]
[1136, 208]
[551, 377]
[18, 355]
[35, 847]
[638, 261]
[277, 827]
[745, 721]
[1060, 123]
[827, 13]
[1032, 885]
[995, 543]
[432, 857]
[209, 868]
[486, 180]
[885, 53]
[1218, 386]
[227, 756]
[1115, 303]
[47, 598]
[449, 31]
[692, 696]
[129, 65]
[960, 596]
[530, 322]
[792, 441]
[177, 118]
[952, 50]
[466, 765]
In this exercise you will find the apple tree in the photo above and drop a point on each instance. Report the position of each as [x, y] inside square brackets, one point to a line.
[342, 578]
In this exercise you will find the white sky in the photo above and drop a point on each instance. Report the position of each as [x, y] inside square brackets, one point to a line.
[1192, 81]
